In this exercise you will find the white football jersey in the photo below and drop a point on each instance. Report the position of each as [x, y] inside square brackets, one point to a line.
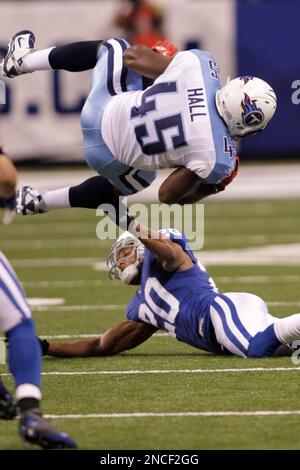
[174, 122]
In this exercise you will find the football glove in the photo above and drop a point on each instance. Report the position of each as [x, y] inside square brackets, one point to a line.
[165, 48]
[44, 345]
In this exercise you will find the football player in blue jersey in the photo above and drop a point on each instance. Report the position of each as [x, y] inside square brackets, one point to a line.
[24, 350]
[177, 295]
[184, 120]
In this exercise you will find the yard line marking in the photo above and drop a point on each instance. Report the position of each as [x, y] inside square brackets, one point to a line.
[169, 371]
[258, 279]
[54, 262]
[80, 308]
[84, 307]
[90, 335]
[176, 414]
[51, 243]
[70, 284]
[98, 282]
[37, 302]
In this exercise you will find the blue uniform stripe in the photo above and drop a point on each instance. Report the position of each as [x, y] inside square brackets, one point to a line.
[13, 277]
[230, 335]
[235, 318]
[110, 68]
[8, 294]
[124, 72]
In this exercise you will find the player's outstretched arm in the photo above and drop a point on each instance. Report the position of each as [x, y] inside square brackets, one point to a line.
[121, 337]
[145, 61]
[169, 254]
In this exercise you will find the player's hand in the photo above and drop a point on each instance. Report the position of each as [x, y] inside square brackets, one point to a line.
[165, 48]
[226, 181]
[44, 344]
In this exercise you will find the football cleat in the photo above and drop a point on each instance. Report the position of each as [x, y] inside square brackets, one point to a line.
[29, 201]
[19, 46]
[34, 429]
[8, 409]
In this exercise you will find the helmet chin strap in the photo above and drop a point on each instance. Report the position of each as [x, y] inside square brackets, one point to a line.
[129, 273]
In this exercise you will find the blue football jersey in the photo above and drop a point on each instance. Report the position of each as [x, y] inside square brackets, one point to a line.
[177, 302]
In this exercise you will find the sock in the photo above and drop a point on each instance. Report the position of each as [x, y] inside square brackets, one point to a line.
[26, 404]
[3, 389]
[287, 329]
[264, 343]
[56, 198]
[96, 191]
[92, 192]
[75, 57]
[37, 60]
[25, 359]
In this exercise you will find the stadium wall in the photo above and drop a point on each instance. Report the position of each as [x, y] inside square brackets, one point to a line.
[41, 115]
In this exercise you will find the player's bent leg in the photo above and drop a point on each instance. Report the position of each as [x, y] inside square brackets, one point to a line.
[228, 333]
[237, 318]
[126, 179]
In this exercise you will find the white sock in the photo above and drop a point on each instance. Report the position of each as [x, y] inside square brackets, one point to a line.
[287, 329]
[57, 198]
[37, 60]
[28, 391]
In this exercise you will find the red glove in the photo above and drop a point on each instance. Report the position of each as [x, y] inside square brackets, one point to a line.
[165, 48]
[226, 181]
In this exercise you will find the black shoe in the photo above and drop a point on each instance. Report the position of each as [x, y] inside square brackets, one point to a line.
[35, 429]
[8, 409]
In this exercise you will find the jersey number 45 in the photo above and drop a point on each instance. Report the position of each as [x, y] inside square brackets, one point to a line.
[162, 129]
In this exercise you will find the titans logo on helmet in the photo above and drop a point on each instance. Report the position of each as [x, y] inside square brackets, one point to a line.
[251, 115]
[246, 79]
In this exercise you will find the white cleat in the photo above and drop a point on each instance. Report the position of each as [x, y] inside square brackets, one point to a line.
[29, 201]
[19, 46]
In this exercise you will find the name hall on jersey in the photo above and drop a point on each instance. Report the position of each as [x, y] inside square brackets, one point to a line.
[196, 102]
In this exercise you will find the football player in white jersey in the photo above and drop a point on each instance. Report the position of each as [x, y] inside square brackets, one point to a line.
[184, 120]
[177, 295]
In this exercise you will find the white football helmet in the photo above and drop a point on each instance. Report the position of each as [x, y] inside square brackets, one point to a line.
[246, 104]
[131, 272]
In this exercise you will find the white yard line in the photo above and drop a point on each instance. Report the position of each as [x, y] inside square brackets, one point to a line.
[169, 371]
[107, 283]
[53, 262]
[279, 254]
[76, 308]
[90, 335]
[17, 245]
[69, 284]
[180, 414]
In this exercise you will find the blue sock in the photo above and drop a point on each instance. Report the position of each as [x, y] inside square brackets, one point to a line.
[263, 344]
[25, 359]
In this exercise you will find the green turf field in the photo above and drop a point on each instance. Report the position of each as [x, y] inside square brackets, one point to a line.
[143, 398]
